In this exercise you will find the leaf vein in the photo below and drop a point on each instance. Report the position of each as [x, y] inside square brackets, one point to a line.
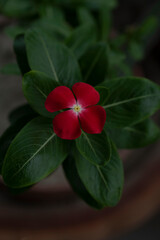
[43, 145]
[49, 59]
[128, 100]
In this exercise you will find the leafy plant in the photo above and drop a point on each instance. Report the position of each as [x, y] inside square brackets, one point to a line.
[54, 58]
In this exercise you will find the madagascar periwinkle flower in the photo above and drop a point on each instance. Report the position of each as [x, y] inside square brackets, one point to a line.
[80, 110]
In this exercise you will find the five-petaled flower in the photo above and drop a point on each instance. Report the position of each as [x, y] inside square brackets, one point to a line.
[81, 111]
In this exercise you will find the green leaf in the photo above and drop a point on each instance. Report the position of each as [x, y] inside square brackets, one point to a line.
[96, 4]
[94, 64]
[36, 88]
[81, 39]
[69, 3]
[94, 147]
[21, 112]
[118, 65]
[49, 26]
[11, 68]
[53, 22]
[10, 133]
[2, 3]
[135, 136]
[13, 31]
[20, 9]
[54, 19]
[103, 183]
[140, 37]
[21, 56]
[145, 31]
[131, 100]
[104, 94]
[46, 10]
[136, 50]
[52, 58]
[85, 16]
[71, 173]
[34, 154]
[105, 20]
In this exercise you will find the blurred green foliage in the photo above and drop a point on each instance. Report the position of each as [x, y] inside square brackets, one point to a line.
[67, 20]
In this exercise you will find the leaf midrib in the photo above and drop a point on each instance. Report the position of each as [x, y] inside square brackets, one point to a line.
[102, 177]
[60, 29]
[129, 100]
[43, 145]
[134, 130]
[90, 144]
[49, 59]
[38, 89]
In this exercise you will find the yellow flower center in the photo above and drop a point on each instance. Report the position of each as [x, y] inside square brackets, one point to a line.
[77, 108]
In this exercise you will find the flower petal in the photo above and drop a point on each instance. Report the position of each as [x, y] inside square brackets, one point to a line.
[60, 98]
[66, 125]
[86, 95]
[92, 119]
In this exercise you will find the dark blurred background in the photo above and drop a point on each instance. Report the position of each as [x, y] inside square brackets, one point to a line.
[131, 12]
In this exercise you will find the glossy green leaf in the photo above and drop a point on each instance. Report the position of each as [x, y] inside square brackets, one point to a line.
[21, 56]
[135, 136]
[69, 166]
[36, 88]
[21, 112]
[81, 39]
[131, 100]
[94, 64]
[10, 134]
[34, 154]
[104, 93]
[94, 147]
[11, 69]
[52, 58]
[104, 183]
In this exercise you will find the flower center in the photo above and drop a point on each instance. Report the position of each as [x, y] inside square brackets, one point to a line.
[77, 108]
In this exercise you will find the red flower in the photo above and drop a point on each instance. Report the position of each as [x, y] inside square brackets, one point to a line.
[82, 111]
